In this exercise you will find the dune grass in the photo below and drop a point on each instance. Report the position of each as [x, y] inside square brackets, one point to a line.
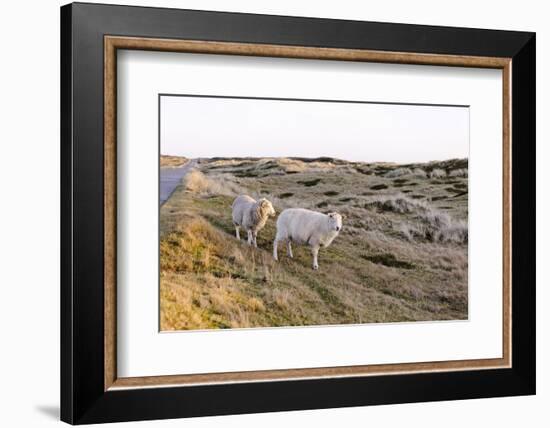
[379, 269]
[172, 161]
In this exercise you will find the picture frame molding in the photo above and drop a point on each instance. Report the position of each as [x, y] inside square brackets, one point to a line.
[114, 43]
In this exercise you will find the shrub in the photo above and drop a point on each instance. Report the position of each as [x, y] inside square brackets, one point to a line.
[399, 172]
[399, 204]
[364, 171]
[418, 173]
[461, 172]
[431, 224]
[388, 259]
[435, 226]
[310, 183]
[438, 173]
[286, 195]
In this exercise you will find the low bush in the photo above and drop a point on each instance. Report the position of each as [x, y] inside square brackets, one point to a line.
[438, 173]
[461, 172]
[399, 172]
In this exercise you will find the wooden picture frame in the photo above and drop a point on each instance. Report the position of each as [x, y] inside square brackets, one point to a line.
[91, 390]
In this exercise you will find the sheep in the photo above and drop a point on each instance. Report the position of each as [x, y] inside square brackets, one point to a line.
[306, 227]
[251, 215]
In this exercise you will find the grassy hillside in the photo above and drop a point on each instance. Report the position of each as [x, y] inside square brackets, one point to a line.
[401, 256]
[172, 161]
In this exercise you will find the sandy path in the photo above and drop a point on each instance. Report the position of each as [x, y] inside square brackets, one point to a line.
[171, 177]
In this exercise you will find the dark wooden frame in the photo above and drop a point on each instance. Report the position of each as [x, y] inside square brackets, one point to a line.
[90, 34]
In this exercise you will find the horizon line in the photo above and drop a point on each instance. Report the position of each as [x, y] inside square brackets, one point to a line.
[315, 157]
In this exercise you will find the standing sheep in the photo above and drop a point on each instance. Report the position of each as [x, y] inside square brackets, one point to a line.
[306, 227]
[251, 215]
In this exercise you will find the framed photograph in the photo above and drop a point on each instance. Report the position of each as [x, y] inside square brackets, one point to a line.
[265, 213]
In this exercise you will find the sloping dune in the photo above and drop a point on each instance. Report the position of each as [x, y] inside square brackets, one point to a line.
[402, 254]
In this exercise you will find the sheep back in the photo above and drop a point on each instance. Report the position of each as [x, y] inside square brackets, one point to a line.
[251, 214]
[304, 227]
[240, 210]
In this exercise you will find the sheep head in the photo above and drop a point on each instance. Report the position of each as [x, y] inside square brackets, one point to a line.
[265, 208]
[335, 221]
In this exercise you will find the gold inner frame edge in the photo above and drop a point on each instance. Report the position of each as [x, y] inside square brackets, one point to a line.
[113, 43]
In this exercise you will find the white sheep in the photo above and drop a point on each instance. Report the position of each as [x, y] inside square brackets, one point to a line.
[251, 215]
[306, 227]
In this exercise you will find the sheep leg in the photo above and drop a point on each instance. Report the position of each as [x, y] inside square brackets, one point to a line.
[315, 251]
[237, 232]
[249, 237]
[254, 236]
[275, 249]
[289, 249]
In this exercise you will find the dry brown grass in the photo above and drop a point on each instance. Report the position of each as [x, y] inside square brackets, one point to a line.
[197, 182]
[426, 222]
[372, 272]
[172, 161]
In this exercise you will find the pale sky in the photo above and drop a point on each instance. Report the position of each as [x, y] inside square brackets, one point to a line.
[231, 127]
